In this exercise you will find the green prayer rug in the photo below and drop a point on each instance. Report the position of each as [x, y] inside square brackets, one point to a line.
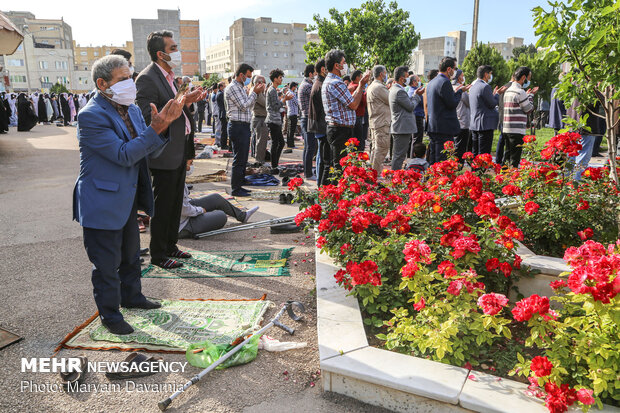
[206, 264]
[174, 326]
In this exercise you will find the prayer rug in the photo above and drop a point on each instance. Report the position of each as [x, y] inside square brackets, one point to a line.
[206, 264]
[7, 338]
[173, 327]
[218, 176]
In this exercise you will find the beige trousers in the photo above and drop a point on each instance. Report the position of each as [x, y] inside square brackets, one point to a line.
[380, 138]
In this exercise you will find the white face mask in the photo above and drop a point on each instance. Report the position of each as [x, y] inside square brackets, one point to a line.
[123, 92]
[131, 70]
[345, 69]
[490, 78]
[191, 170]
[175, 59]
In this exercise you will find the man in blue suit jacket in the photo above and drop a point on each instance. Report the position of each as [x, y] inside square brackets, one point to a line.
[484, 115]
[113, 183]
[442, 100]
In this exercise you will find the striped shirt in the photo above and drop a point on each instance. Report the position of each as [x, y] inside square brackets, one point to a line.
[336, 101]
[517, 104]
[304, 96]
[238, 103]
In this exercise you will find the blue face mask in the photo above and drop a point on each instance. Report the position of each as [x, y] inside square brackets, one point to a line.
[247, 81]
[526, 84]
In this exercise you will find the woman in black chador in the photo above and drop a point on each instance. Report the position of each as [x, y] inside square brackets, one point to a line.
[26, 118]
[42, 109]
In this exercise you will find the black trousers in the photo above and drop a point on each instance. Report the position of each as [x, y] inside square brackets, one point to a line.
[513, 143]
[201, 118]
[436, 147]
[290, 133]
[168, 188]
[277, 143]
[499, 151]
[337, 136]
[419, 135]
[326, 161]
[358, 132]
[224, 122]
[115, 255]
[461, 142]
[483, 141]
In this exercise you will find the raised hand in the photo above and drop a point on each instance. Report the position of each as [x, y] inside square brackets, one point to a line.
[259, 87]
[169, 113]
[194, 96]
[420, 91]
[532, 91]
[365, 78]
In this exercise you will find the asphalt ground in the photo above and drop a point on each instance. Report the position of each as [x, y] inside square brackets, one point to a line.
[46, 291]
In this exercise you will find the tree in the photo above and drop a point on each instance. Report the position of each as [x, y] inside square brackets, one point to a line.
[585, 34]
[370, 35]
[518, 51]
[58, 88]
[212, 79]
[545, 71]
[483, 54]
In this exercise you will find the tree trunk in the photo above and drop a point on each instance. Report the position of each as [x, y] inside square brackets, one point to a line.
[612, 136]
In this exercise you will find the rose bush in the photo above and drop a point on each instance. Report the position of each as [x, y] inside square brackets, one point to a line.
[553, 210]
[580, 340]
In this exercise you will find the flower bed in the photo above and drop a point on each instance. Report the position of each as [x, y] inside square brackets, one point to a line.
[432, 260]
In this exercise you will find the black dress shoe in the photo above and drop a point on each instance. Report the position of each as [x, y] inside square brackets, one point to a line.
[119, 328]
[146, 305]
[144, 251]
[240, 192]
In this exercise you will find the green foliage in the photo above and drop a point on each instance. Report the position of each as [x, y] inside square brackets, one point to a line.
[585, 34]
[59, 88]
[213, 79]
[525, 49]
[483, 54]
[369, 35]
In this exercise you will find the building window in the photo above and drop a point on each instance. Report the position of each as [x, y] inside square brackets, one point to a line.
[275, 30]
[63, 80]
[264, 30]
[61, 65]
[15, 62]
[276, 43]
[43, 65]
[107, 52]
[45, 79]
[285, 43]
[265, 54]
[17, 79]
[285, 54]
[83, 54]
[275, 55]
[96, 53]
[265, 67]
[264, 41]
[285, 31]
[286, 66]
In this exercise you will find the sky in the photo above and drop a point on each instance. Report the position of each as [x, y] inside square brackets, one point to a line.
[109, 22]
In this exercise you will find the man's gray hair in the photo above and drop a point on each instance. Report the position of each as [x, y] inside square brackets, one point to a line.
[377, 70]
[103, 67]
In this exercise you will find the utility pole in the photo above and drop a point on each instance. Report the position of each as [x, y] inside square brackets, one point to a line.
[474, 35]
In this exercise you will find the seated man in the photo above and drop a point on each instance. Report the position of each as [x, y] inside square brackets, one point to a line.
[114, 183]
[207, 213]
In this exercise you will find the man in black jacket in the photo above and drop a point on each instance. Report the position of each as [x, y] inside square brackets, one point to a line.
[222, 114]
[442, 100]
[156, 85]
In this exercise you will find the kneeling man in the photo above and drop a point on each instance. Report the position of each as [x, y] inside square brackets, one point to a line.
[113, 183]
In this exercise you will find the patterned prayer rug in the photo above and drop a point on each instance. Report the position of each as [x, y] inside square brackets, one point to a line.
[173, 327]
[205, 264]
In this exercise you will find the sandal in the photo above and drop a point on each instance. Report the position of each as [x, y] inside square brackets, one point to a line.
[180, 254]
[136, 367]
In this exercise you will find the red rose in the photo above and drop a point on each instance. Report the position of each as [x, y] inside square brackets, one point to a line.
[419, 305]
[541, 366]
[531, 207]
[585, 396]
[529, 138]
[583, 205]
[294, 183]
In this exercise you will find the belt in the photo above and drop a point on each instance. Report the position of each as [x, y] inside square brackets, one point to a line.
[239, 121]
[337, 125]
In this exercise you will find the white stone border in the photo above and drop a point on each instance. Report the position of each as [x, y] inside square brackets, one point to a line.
[400, 382]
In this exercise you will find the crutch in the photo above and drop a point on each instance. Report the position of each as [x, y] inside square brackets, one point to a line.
[275, 222]
[288, 307]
